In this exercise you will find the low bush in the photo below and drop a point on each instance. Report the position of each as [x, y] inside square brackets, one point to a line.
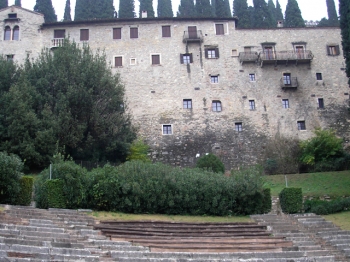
[55, 194]
[291, 200]
[26, 190]
[211, 162]
[322, 207]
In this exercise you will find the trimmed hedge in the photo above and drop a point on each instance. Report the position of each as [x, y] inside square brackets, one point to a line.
[322, 207]
[55, 193]
[25, 194]
[267, 201]
[291, 200]
[211, 162]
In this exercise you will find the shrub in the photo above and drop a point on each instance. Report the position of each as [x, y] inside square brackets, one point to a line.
[25, 195]
[267, 202]
[139, 151]
[291, 200]
[211, 162]
[10, 174]
[55, 193]
[322, 207]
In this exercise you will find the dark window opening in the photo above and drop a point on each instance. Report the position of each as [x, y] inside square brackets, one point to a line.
[301, 125]
[117, 33]
[118, 61]
[84, 34]
[166, 31]
[7, 35]
[134, 32]
[320, 103]
[59, 33]
[318, 76]
[155, 59]
[15, 35]
[219, 29]
[333, 50]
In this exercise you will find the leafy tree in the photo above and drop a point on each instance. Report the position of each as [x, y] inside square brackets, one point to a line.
[46, 8]
[146, 5]
[3, 3]
[186, 9]
[164, 8]
[293, 16]
[204, 9]
[139, 151]
[103, 9]
[323, 22]
[332, 13]
[240, 9]
[222, 8]
[82, 10]
[126, 9]
[278, 12]
[272, 10]
[262, 16]
[67, 16]
[344, 10]
[211, 162]
[18, 2]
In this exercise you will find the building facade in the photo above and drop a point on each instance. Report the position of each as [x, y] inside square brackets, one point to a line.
[196, 86]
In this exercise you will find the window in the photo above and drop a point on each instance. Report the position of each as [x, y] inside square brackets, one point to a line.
[219, 28]
[134, 32]
[301, 125]
[212, 53]
[320, 103]
[238, 127]
[318, 76]
[333, 50]
[166, 31]
[155, 59]
[187, 103]
[12, 16]
[167, 130]
[132, 61]
[84, 34]
[15, 35]
[186, 58]
[247, 49]
[9, 58]
[234, 52]
[59, 33]
[269, 52]
[7, 35]
[252, 104]
[216, 106]
[214, 79]
[285, 103]
[287, 79]
[252, 77]
[118, 61]
[117, 33]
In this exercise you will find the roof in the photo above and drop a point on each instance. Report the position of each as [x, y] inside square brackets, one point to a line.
[19, 7]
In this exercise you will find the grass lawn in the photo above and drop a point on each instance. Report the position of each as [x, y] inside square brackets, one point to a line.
[342, 219]
[170, 218]
[333, 184]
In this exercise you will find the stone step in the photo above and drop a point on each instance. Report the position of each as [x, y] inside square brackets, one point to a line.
[304, 259]
[33, 228]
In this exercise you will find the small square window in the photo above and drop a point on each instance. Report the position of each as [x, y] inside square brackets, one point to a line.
[134, 32]
[167, 130]
[285, 103]
[118, 61]
[320, 103]
[187, 103]
[216, 106]
[166, 31]
[252, 104]
[252, 77]
[132, 61]
[155, 59]
[301, 125]
[12, 16]
[10, 57]
[186, 59]
[333, 50]
[219, 29]
[212, 53]
[117, 33]
[318, 76]
[60, 33]
[214, 79]
[84, 34]
[238, 127]
[234, 52]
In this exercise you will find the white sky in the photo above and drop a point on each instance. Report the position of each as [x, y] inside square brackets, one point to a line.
[310, 9]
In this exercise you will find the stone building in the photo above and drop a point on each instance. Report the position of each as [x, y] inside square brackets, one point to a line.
[196, 86]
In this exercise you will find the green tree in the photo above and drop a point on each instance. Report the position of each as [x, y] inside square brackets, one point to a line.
[240, 10]
[18, 2]
[102, 9]
[292, 15]
[204, 9]
[139, 151]
[222, 8]
[46, 8]
[211, 162]
[186, 9]
[332, 13]
[3, 3]
[164, 8]
[126, 9]
[146, 5]
[278, 13]
[272, 10]
[262, 16]
[67, 16]
[344, 11]
[323, 22]
[83, 10]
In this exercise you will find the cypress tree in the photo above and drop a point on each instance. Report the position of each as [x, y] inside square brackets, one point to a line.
[332, 13]
[323, 22]
[126, 9]
[67, 16]
[103, 9]
[82, 10]
[240, 9]
[46, 8]
[293, 16]
[18, 3]
[204, 9]
[344, 11]
[272, 10]
[221, 8]
[186, 9]
[3, 3]
[278, 13]
[164, 8]
[146, 5]
[262, 16]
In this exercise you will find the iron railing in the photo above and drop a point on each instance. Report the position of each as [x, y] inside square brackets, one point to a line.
[193, 36]
[286, 55]
[291, 82]
[248, 56]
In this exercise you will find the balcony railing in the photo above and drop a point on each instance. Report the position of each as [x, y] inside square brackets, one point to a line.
[57, 42]
[248, 57]
[193, 36]
[275, 56]
[289, 83]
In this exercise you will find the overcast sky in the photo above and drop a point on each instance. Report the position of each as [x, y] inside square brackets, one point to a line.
[310, 9]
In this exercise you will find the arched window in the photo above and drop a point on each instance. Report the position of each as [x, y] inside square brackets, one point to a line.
[7, 35]
[15, 35]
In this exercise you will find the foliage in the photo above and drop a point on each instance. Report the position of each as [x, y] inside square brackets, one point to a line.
[240, 10]
[291, 200]
[164, 8]
[211, 162]
[323, 22]
[332, 13]
[267, 200]
[272, 10]
[24, 197]
[67, 16]
[186, 9]
[3, 3]
[126, 9]
[139, 151]
[90, 9]
[146, 5]
[46, 8]
[323, 207]
[278, 12]
[344, 11]
[292, 15]
[262, 16]
[10, 174]
[18, 2]
[204, 9]
[55, 193]
[222, 9]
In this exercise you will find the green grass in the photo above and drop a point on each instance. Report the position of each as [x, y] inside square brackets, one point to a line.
[333, 184]
[342, 219]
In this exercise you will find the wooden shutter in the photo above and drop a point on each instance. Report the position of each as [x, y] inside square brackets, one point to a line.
[166, 31]
[117, 33]
[217, 52]
[84, 34]
[118, 61]
[134, 32]
[191, 58]
[206, 53]
[59, 33]
[219, 29]
[337, 50]
[192, 32]
[181, 58]
[155, 60]
[328, 50]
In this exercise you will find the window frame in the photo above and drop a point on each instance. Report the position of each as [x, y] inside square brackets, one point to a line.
[121, 60]
[239, 126]
[134, 32]
[320, 103]
[167, 129]
[57, 33]
[166, 33]
[7, 33]
[211, 49]
[285, 103]
[84, 35]
[333, 50]
[319, 76]
[214, 79]
[117, 33]
[218, 30]
[133, 59]
[153, 56]
[15, 33]
[301, 125]
[182, 58]
[252, 77]
[187, 104]
[216, 106]
[252, 104]
[10, 58]
[287, 79]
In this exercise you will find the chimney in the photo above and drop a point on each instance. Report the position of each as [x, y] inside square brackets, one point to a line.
[280, 23]
[144, 14]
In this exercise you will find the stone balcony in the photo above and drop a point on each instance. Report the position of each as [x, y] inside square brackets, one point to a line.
[195, 36]
[248, 57]
[290, 83]
[57, 42]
